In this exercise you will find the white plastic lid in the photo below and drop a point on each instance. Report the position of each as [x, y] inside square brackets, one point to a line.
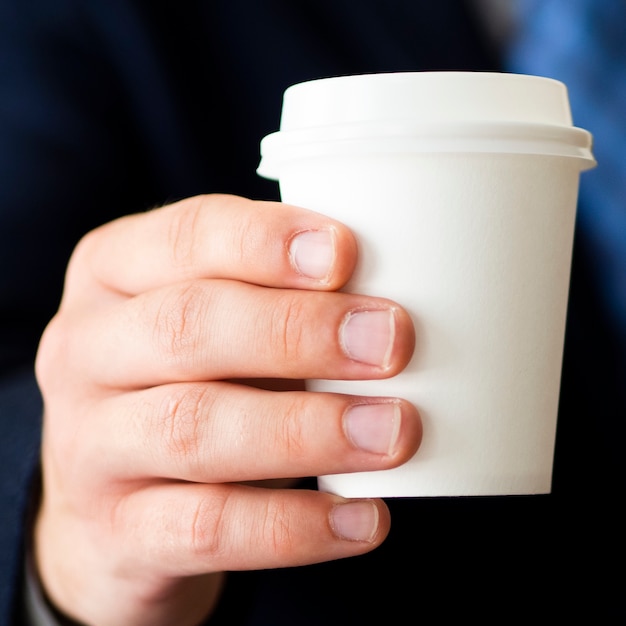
[425, 112]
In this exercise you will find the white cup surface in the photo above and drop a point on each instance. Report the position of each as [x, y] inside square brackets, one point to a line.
[461, 189]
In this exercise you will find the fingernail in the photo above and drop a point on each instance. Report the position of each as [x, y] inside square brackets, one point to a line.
[355, 521]
[373, 427]
[368, 336]
[312, 253]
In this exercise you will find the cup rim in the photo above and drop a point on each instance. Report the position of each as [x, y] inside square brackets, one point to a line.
[280, 148]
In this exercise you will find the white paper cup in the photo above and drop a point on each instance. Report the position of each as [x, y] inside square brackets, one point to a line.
[461, 189]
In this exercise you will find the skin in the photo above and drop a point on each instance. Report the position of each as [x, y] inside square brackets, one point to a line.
[173, 406]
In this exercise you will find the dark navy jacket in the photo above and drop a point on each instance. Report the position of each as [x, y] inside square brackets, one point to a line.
[109, 107]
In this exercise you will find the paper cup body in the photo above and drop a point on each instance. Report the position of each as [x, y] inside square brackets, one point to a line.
[476, 245]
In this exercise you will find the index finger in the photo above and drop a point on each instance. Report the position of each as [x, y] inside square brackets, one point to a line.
[218, 236]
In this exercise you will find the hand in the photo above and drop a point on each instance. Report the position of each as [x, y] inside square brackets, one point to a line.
[150, 428]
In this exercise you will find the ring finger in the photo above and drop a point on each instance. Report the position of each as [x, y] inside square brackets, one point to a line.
[206, 432]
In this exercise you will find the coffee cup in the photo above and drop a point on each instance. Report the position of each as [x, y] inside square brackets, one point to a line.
[461, 188]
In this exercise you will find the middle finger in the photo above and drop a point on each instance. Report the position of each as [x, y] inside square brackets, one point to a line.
[218, 329]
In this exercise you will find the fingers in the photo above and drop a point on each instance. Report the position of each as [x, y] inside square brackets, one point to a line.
[216, 236]
[223, 432]
[146, 443]
[205, 330]
[194, 529]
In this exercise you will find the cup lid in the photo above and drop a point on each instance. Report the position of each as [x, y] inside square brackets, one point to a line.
[425, 112]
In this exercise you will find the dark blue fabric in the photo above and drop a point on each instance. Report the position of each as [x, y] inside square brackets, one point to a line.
[114, 106]
[20, 411]
[583, 44]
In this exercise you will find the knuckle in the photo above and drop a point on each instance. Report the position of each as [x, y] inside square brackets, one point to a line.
[288, 320]
[54, 348]
[243, 239]
[88, 257]
[218, 529]
[290, 435]
[275, 528]
[49, 346]
[182, 423]
[89, 245]
[177, 323]
[247, 237]
[252, 239]
[207, 529]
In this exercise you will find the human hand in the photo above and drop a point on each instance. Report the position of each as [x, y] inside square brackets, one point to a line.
[150, 427]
